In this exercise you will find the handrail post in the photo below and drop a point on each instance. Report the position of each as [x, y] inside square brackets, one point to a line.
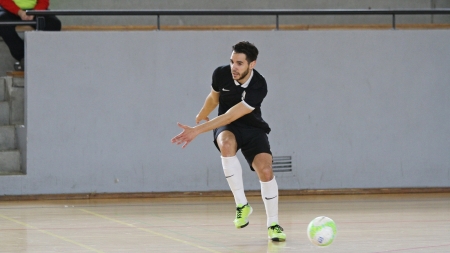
[158, 23]
[393, 21]
[40, 23]
[277, 27]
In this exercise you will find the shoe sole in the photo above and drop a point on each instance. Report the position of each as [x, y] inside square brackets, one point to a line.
[277, 239]
[243, 226]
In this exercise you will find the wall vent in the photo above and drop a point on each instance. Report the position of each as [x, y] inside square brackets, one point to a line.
[282, 164]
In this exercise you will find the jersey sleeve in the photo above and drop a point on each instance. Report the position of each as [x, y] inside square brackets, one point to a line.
[215, 80]
[42, 5]
[254, 96]
[10, 6]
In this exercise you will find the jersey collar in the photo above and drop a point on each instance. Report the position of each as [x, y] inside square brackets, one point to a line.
[244, 85]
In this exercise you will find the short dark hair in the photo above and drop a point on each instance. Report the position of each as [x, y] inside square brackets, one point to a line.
[247, 48]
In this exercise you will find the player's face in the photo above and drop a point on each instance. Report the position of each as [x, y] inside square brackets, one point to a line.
[240, 67]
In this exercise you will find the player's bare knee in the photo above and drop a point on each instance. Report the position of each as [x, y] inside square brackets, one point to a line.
[265, 173]
[227, 148]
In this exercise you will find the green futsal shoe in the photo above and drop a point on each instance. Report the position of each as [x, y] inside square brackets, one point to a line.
[276, 233]
[242, 213]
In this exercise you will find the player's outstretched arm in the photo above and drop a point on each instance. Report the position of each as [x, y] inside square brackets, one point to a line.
[189, 133]
[211, 102]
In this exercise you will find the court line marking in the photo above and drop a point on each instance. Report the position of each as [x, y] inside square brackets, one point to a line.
[170, 229]
[149, 231]
[50, 233]
[422, 247]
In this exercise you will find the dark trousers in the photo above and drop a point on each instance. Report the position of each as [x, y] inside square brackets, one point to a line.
[9, 34]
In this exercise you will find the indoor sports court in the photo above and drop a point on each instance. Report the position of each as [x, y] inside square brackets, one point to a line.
[366, 223]
[359, 115]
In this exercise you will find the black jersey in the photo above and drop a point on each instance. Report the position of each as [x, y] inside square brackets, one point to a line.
[232, 94]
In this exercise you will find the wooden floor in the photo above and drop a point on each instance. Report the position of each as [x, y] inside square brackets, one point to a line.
[409, 223]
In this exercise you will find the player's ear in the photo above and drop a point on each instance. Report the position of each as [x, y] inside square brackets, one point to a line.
[252, 64]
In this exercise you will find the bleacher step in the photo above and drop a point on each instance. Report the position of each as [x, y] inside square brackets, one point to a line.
[10, 162]
[4, 113]
[7, 138]
[16, 101]
[2, 90]
[12, 108]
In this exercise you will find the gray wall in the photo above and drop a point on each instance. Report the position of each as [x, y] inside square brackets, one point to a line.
[354, 109]
[6, 61]
[253, 4]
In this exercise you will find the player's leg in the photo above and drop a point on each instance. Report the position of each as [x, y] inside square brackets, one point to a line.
[262, 164]
[258, 154]
[52, 23]
[232, 168]
[227, 144]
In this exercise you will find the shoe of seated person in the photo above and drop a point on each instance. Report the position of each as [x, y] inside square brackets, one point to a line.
[276, 233]
[19, 66]
[242, 213]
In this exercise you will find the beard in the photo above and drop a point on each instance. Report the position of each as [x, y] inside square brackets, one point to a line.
[242, 76]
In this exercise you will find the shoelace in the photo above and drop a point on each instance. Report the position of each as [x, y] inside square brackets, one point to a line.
[277, 228]
[239, 211]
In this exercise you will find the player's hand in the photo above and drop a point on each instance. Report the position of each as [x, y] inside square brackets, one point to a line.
[199, 119]
[186, 136]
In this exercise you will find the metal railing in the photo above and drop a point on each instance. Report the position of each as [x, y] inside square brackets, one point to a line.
[18, 23]
[269, 12]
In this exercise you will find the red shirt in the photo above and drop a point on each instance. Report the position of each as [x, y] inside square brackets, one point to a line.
[10, 6]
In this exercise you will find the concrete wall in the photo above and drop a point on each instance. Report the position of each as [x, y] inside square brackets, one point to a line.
[253, 4]
[6, 61]
[354, 109]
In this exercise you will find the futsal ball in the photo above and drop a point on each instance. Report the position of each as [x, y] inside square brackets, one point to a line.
[322, 231]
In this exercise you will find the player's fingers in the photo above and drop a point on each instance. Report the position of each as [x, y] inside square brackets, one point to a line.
[181, 141]
[185, 144]
[177, 138]
[178, 141]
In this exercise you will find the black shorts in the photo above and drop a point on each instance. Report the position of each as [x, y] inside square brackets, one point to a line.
[251, 141]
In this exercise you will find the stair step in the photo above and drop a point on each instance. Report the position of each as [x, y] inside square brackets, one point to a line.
[2, 89]
[10, 162]
[7, 138]
[16, 102]
[4, 113]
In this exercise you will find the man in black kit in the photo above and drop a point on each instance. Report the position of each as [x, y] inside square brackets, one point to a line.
[238, 89]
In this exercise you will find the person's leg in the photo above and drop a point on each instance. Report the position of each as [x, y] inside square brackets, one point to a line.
[10, 36]
[262, 164]
[52, 23]
[259, 156]
[227, 144]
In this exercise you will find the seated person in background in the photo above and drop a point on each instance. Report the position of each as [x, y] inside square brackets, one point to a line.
[14, 10]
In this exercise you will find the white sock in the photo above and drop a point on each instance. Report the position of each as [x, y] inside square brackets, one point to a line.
[233, 173]
[269, 193]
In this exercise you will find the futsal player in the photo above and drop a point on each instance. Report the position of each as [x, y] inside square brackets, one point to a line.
[238, 89]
